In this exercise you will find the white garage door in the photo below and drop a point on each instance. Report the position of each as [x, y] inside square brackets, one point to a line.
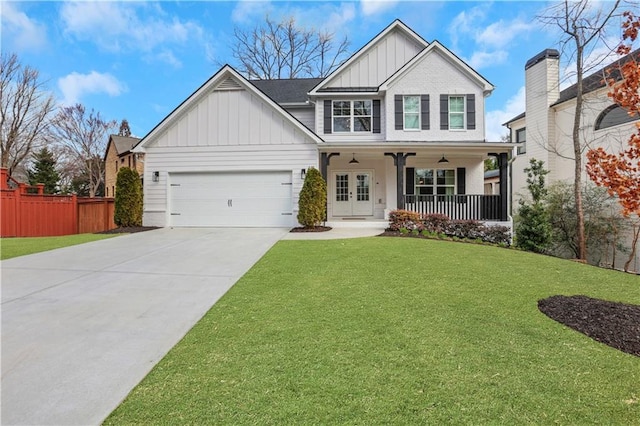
[231, 199]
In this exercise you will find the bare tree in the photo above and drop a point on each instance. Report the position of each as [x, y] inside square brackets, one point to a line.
[25, 110]
[284, 50]
[583, 26]
[84, 137]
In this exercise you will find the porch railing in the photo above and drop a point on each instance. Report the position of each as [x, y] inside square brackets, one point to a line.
[457, 207]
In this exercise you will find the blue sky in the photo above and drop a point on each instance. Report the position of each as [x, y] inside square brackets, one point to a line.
[139, 60]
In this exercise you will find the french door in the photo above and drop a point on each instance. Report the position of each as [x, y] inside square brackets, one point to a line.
[352, 193]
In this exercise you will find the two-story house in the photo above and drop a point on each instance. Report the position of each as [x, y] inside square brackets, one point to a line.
[544, 130]
[400, 124]
[117, 155]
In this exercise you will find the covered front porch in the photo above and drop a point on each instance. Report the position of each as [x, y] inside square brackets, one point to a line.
[366, 183]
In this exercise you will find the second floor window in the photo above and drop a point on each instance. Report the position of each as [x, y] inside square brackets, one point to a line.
[456, 112]
[521, 138]
[352, 116]
[411, 111]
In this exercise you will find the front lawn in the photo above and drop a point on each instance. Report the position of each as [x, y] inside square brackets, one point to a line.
[14, 247]
[394, 331]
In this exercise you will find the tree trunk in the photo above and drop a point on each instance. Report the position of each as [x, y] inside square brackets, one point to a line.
[577, 152]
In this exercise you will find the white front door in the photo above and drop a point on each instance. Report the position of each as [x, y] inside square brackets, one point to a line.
[352, 193]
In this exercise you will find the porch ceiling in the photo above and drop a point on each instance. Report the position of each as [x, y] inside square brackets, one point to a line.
[430, 148]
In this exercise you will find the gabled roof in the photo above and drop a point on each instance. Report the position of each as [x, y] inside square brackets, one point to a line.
[287, 91]
[592, 82]
[397, 24]
[225, 76]
[436, 45]
[122, 144]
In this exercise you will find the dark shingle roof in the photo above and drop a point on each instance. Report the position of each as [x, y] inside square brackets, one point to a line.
[597, 79]
[286, 91]
[590, 83]
[124, 143]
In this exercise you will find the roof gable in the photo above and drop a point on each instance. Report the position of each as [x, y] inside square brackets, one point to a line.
[121, 144]
[436, 48]
[376, 61]
[226, 79]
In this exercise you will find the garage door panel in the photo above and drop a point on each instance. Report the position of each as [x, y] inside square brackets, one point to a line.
[231, 199]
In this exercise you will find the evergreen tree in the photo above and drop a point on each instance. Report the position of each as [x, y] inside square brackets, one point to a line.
[533, 230]
[313, 199]
[128, 208]
[124, 128]
[44, 171]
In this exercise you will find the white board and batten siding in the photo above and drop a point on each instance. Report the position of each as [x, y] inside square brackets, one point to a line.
[379, 61]
[230, 144]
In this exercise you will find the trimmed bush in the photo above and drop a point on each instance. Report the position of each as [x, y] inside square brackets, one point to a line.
[406, 219]
[432, 225]
[128, 203]
[313, 199]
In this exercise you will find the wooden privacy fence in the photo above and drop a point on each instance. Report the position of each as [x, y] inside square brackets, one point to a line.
[28, 212]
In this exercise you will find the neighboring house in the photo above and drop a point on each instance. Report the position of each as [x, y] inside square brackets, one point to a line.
[401, 124]
[544, 130]
[118, 154]
[492, 182]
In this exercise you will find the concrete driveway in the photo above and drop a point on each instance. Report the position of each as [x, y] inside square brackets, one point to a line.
[81, 326]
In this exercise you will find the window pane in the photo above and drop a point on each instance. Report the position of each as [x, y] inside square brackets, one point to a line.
[521, 135]
[342, 124]
[362, 124]
[456, 104]
[456, 121]
[425, 190]
[342, 187]
[341, 107]
[411, 104]
[445, 190]
[446, 177]
[411, 121]
[362, 187]
[424, 177]
[361, 107]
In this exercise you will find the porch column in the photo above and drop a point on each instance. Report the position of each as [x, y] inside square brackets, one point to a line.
[400, 160]
[325, 160]
[502, 165]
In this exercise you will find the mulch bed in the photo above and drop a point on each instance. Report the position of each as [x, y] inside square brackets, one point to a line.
[128, 230]
[612, 323]
[314, 229]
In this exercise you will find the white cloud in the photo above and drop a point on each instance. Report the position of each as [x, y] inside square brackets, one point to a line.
[75, 85]
[25, 33]
[373, 7]
[129, 27]
[481, 59]
[500, 34]
[514, 106]
[490, 41]
[247, 10]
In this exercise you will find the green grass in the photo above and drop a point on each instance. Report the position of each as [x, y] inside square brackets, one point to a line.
[14, 247]
[394, 331]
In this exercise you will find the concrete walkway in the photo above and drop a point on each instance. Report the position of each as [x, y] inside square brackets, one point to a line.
[81, 326]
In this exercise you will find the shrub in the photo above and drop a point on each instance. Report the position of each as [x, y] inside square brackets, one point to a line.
[404, 219]
[128, 203]
[313, 199]
[436, 222]
[440, 226]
